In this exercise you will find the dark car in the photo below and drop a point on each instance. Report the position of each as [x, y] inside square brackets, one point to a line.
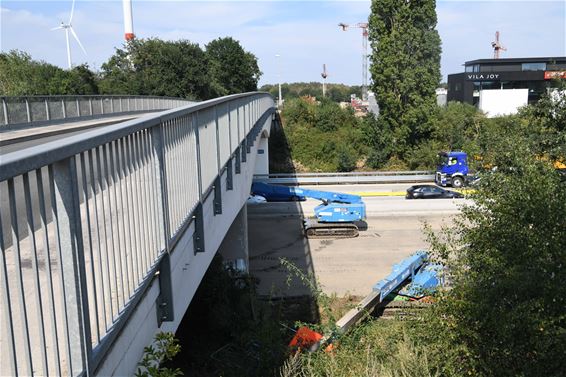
[431, 192]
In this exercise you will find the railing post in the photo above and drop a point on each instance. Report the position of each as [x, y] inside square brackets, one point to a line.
[90, 105]
[47, 115]
[216, 125]
[164, 304]
[71, 254]
[101, 106]
[28, 111]
[217, 203]
[63, 108]
[237, 156]
[229, 175]
[5, 107]
[78, 108]
[158, 144]
[198, 215]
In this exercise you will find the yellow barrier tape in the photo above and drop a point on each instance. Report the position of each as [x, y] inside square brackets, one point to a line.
[399, 193]
[379, 193]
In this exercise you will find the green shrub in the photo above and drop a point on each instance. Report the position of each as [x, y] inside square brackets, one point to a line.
[322, 136]
[345, 160]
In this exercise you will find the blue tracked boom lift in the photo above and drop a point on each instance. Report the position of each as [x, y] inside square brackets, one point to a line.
[334, 218]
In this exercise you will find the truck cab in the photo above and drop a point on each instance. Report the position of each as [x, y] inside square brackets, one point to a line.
[452, 170]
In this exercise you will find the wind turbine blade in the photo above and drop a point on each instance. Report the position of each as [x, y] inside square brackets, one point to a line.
[77, 39]
[57, 28]
[72, 11]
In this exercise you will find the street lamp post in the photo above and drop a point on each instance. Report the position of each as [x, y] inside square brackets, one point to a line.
[280, 99]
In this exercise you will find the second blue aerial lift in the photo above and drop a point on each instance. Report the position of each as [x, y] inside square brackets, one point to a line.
[336, 217]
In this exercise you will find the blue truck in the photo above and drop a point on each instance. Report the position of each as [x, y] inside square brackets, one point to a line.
[452, 170]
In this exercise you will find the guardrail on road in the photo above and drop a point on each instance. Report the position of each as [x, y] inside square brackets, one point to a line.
[18, 112]
[346, 178]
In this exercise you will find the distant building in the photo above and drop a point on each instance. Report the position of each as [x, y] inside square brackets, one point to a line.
[373, 107]
[501, 86]
[441, 97]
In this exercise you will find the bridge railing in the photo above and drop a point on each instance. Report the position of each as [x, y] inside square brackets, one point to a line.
[88, 222]
[37, 110]
[346, 178]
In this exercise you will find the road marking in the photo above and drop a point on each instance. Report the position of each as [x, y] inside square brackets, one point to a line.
[399, 193]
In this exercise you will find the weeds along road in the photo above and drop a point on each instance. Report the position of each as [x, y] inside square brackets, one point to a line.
[340, 266]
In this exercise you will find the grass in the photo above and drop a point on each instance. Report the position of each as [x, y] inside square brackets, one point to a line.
[374, 348]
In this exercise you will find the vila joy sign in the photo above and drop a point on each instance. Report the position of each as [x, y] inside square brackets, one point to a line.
[549, 75]
[482, 76]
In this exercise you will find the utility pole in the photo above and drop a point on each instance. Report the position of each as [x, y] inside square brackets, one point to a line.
[324, 76]
[364, 27]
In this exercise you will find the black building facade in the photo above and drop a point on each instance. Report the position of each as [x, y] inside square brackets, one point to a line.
[534, 74]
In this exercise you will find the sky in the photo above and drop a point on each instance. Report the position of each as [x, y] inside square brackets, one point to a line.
[305, 34]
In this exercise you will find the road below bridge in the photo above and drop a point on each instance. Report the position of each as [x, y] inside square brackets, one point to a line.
[340, 266]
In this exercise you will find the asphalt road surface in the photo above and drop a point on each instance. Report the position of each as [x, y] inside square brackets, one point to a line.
[339, 266]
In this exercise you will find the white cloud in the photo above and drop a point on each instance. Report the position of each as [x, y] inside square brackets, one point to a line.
[305, 34]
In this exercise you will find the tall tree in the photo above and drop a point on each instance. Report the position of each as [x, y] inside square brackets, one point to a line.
[405, 67]
[157, 67]
[233, 69]
[20, 75]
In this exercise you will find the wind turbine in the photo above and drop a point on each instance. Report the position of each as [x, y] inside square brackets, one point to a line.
[69, 27]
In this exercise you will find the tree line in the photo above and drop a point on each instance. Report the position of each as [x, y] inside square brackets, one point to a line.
[502, 313]
[322, 136]
[141, 67]
[334, 92]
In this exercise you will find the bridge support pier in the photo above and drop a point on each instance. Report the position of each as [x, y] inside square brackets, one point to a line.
[262, 159]
[234, 246]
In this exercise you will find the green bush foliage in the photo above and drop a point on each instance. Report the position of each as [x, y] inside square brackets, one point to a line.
[503, 314]
[142, 67]
[322, 136]
[20, 75]
[334, 92]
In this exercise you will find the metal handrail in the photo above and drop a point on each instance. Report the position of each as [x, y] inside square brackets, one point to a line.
[95, 215]
[346, 174]
[346, 178]
[26, 111]
[26, 159]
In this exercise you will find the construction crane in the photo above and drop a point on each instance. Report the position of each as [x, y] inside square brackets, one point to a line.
[324, 76]
[364, 27]
[497, 46]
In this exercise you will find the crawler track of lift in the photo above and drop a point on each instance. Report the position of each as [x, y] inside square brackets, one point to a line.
[315, 229]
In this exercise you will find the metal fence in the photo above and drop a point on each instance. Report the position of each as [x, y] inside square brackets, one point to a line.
[346, 178]
[37, 110]
[86, 222]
